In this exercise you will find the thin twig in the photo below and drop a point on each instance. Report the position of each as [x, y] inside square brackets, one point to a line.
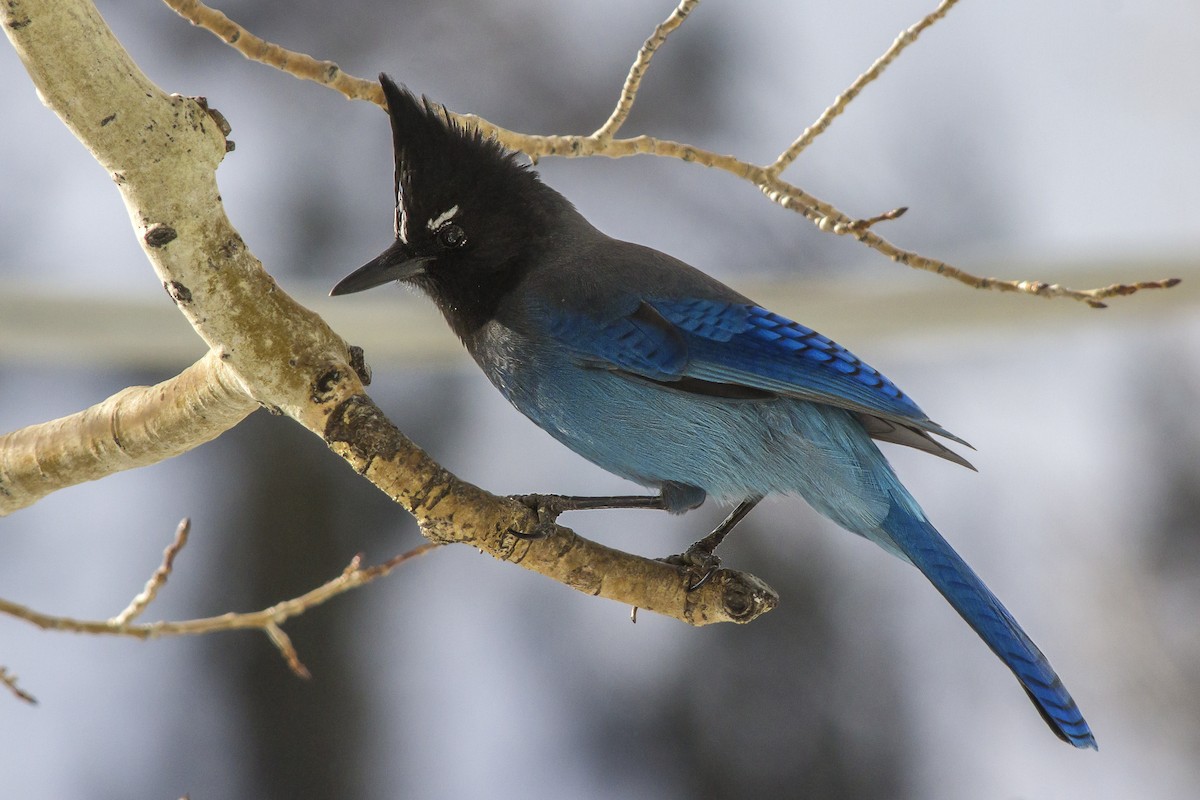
[283, 643]
[9, 680]
[138, 604]
[267, 620]
[857, 225]
[766, 178]
[907, 37]
[258, 49]
[829, 219]
[634, 80]
[1092, 297]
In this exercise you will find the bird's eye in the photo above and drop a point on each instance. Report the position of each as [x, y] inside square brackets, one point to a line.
[451, 236]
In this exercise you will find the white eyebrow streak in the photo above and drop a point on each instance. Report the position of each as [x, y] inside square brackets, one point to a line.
[401, 224]
[441, 219]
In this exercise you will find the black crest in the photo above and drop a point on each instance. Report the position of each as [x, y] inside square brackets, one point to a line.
[440, 164]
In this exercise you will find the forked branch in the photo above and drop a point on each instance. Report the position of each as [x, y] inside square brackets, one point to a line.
[602, 142]
[268, 620]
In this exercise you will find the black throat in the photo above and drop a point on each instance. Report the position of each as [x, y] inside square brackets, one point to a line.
[470, 299]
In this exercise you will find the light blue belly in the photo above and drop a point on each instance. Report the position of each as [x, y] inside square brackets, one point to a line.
[732, 449]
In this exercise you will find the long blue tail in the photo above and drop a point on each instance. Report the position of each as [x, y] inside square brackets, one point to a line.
[932, 554]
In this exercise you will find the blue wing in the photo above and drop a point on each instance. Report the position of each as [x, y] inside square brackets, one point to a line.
[717, 347]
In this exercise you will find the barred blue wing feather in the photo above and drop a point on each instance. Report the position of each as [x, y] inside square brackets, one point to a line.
[768, 350]
[641, 341]
[712, 345]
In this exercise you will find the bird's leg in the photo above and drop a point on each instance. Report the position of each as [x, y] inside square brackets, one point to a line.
[700, 559]
[710, 543]
[549, 506]
[558, 503]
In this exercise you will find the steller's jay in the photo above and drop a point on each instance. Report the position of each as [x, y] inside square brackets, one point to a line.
[662, 375]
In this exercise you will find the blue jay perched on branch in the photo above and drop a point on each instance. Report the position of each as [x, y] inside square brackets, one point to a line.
[662, 375]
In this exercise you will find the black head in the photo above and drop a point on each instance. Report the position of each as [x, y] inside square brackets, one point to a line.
[466, 211]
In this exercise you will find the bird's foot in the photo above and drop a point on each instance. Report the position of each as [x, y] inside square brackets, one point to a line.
[698, 564]
[546, 507]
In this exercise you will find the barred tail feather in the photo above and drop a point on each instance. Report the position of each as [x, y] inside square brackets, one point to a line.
[932, 554]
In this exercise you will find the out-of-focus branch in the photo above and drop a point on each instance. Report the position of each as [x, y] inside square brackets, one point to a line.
[142, 600]
[633, 81]
[137, 426]
[257, 49]
[162, 151]
[9, 681]
[907, 37]
[268, 620]
[765, 177]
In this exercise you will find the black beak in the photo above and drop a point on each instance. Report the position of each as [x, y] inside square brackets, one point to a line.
[393, 264]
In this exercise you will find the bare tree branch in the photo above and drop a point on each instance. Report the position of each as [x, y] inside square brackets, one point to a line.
[9, 681]
[268, 620]
[254, 48]
[451, 510]
[633, 81]
[766, 178]
[135, 427]
[159, 579]
[907, 37]
[271, 619]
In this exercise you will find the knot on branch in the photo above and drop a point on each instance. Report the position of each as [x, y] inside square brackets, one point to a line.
[178, 293]
[357, 424]
[160, 235]
[219, 120]
[735, 597]
[324, 388]
[358, 363]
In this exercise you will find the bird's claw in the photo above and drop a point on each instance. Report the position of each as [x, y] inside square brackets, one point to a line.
[697, 564]
[540, 531]
[547, 508]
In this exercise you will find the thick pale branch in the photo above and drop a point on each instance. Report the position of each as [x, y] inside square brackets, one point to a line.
[766, 178]
[137, 426]
[451, 510]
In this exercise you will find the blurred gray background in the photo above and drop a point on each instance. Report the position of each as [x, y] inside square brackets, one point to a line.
[1031, 140]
